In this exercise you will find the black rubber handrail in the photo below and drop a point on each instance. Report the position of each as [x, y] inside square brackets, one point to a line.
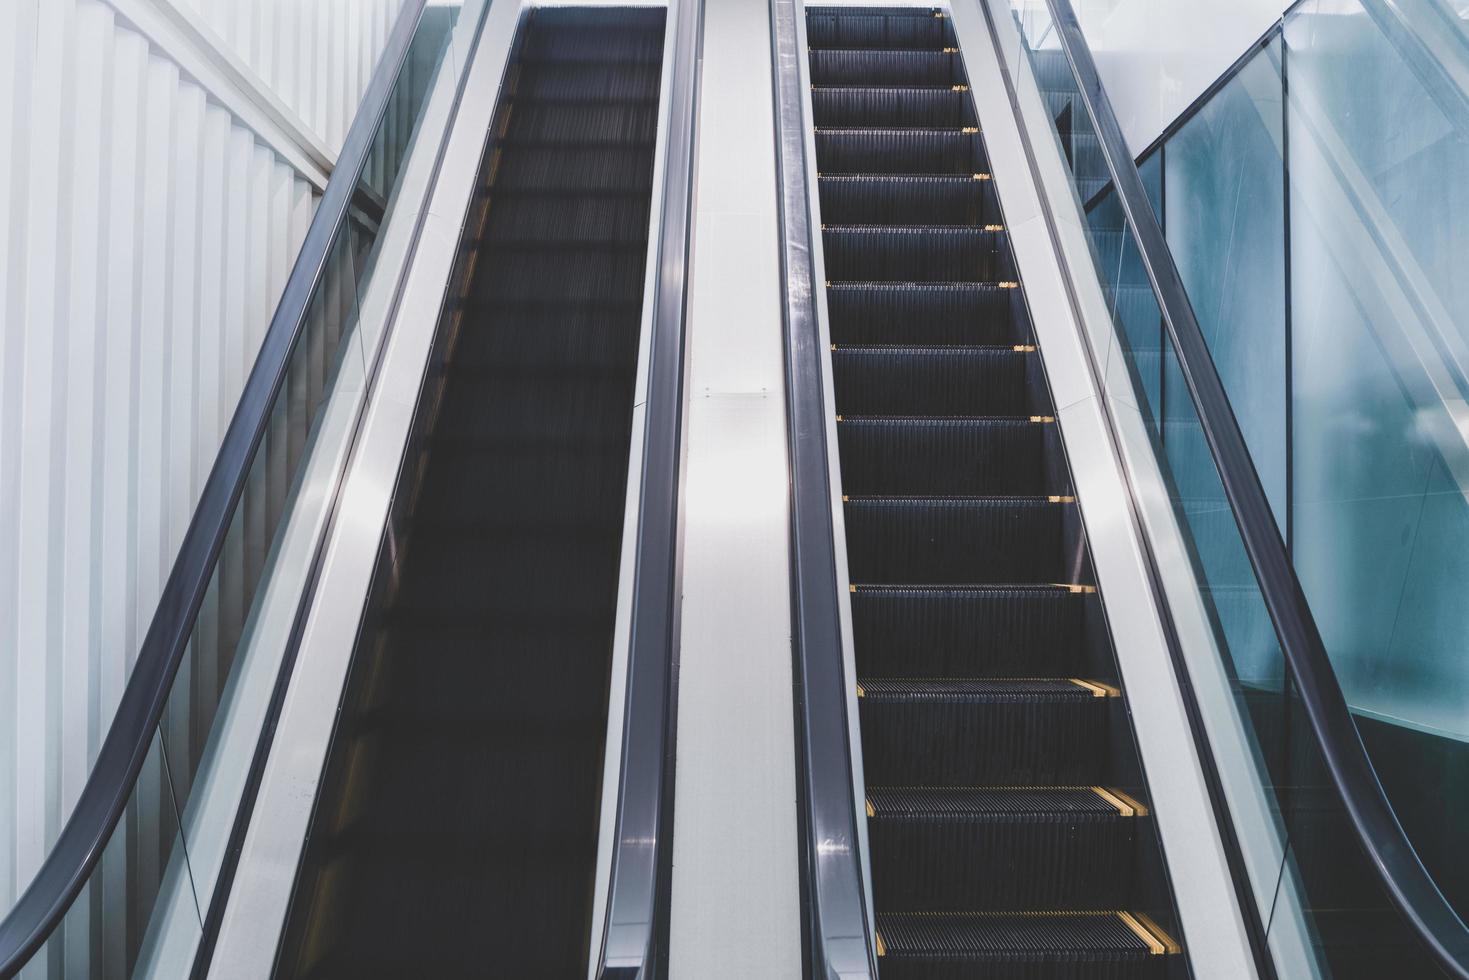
[836, 931]
[1407, 882]
[635, 928]
[129, 738]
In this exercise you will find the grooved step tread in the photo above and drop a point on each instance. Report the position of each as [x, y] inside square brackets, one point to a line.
[923, 690]
[980, 936]
[1000, 802]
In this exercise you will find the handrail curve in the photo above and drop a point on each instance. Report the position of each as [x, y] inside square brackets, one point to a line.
[1407, 882]
[124, 749]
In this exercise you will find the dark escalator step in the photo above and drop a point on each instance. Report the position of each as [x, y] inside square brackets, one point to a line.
[580, 167]
[865, 66]
[900, 151]
[992, 849]
[588, 82]
[535, 480]
[964, 381]
[995, 631]
[885, 29]
[1022, 946]
[613, 220]
[931, 456]
[891, 200]
[534, 339]
[539, 406]
[558, 122]
[614, 41]
[955, 540]
[596, 274]
[935, 253]
[926, 313]
[889, 105]
[994, 732]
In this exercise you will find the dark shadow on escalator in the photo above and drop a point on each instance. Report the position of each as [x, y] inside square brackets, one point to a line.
[456, 828]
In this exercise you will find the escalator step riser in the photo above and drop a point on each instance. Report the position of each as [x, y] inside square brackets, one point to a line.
[943, 456]
[897, 151]
[954, 541]
[834, 66]
[995, 740]
[616, 41]
[908, 200]
[551, 122]
[1020, 861]
[537, 406]
[587, 83]
[1015, 947]
[925, 313]
[919, 381]
[884, 30]
[583, 340]
[459, 574]
[968, 633]
[546, 221]
[947, 108]
[942, 254]
[530, 486]
[591, 274]
[581, 168]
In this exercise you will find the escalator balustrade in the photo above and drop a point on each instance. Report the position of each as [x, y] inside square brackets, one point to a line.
[1009, 830]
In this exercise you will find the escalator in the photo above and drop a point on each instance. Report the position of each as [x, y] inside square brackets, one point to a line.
[456, 830]
[1008, 819]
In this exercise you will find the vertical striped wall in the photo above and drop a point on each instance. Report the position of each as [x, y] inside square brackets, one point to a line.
[315, 55]
[146, 232]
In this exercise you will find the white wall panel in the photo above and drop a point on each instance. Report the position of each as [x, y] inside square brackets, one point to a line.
[147, 228]
[316, 56]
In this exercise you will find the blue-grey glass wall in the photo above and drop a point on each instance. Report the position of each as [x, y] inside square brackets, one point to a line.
[1315, 207]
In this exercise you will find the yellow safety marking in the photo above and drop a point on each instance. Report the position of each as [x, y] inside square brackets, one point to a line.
[1169, 943]
[1024, 348]
[1043, 418]
[1060, 500]
[839, 418]
[940, 14]
[852, 588]
[1098, 690]
[1122, 808]
[846, 499]
[1154, 945]
[861, 691]
[882, 947]
[1075, 589]
[1009, 285]
[994, 227]
[969, 130]
[1138, 808]
[959, 88]
[871, 810]
[981, 176]
[951, 50]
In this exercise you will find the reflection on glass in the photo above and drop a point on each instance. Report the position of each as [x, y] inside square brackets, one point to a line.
[1319, 229]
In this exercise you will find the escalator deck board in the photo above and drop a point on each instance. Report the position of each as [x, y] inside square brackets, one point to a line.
[457, 826]
[997, 847]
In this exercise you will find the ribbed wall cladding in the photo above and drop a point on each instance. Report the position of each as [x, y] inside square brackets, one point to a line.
[900, 151]
[1001, 456]
[989, 743]
[915, 254]
[939, 200]
[457, 834]
[893, 540]
[926, 313]
[931, 380]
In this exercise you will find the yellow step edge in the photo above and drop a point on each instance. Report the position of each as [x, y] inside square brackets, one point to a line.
[1098, 689]
[861, 691]
[871, 810]
[1159, 942]
[959, 88]
[1075, 589]
[1008, 284]
[994, 227]
[969, 130]
[1023, 348]
[882, 947]
[1059, 499]
[1126, 805]
[1043, 418]
[979, 176]
[1170, 945]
